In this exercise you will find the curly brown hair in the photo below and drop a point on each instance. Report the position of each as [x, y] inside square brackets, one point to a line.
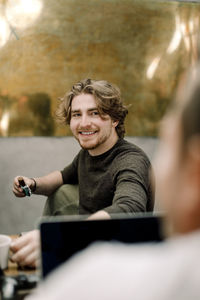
[107, 97]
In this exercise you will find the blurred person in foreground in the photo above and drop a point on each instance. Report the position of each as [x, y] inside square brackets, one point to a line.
[109, 175]
[166, 270]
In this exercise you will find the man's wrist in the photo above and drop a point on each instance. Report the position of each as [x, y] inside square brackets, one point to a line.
[34, 185]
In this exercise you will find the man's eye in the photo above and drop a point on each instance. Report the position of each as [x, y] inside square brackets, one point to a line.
[95, 113]
[76, 115]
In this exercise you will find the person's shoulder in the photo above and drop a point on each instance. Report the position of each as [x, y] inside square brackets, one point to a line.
[126, 148]
[128, 156]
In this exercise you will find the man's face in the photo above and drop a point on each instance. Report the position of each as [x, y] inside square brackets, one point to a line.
[93, 133]
[170, 174]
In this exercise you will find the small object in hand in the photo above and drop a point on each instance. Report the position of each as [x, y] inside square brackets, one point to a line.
[25, 188]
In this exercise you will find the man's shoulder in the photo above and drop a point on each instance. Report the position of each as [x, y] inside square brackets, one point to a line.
[129, 156]
[126, 148]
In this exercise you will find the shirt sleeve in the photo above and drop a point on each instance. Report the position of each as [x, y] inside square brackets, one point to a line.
[70, 173]
[132, 180]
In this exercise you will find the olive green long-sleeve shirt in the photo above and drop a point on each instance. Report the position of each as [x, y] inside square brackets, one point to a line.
[117, 181]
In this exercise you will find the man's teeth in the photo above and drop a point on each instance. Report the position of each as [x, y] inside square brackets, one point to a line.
[87, 132]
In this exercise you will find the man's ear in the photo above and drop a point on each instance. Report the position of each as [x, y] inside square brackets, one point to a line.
[115, 123]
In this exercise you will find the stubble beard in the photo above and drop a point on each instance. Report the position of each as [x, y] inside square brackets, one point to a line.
[101, 140]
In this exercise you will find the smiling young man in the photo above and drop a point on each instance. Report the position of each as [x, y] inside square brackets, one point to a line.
[112, 174]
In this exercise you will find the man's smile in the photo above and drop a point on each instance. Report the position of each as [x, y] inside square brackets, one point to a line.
[87, 133]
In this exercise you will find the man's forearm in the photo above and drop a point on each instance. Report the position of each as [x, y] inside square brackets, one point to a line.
[47, 184]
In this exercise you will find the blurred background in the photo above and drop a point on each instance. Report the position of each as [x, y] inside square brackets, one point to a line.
[143, 46]
[46, 46]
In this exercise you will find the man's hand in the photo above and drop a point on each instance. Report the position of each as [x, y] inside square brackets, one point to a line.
[101, 214]
[46, 185]
[26, 249]
[17, 190]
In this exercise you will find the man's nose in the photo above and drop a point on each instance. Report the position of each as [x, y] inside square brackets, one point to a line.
[85, 121]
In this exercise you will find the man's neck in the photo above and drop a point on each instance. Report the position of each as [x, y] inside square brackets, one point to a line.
[104, 147]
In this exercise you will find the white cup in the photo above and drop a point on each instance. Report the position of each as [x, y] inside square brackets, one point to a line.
[5, 242]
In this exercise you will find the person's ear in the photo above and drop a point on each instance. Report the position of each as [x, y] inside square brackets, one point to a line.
[193, 154]
[192, 178]
[115, 123]
[188, 217]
